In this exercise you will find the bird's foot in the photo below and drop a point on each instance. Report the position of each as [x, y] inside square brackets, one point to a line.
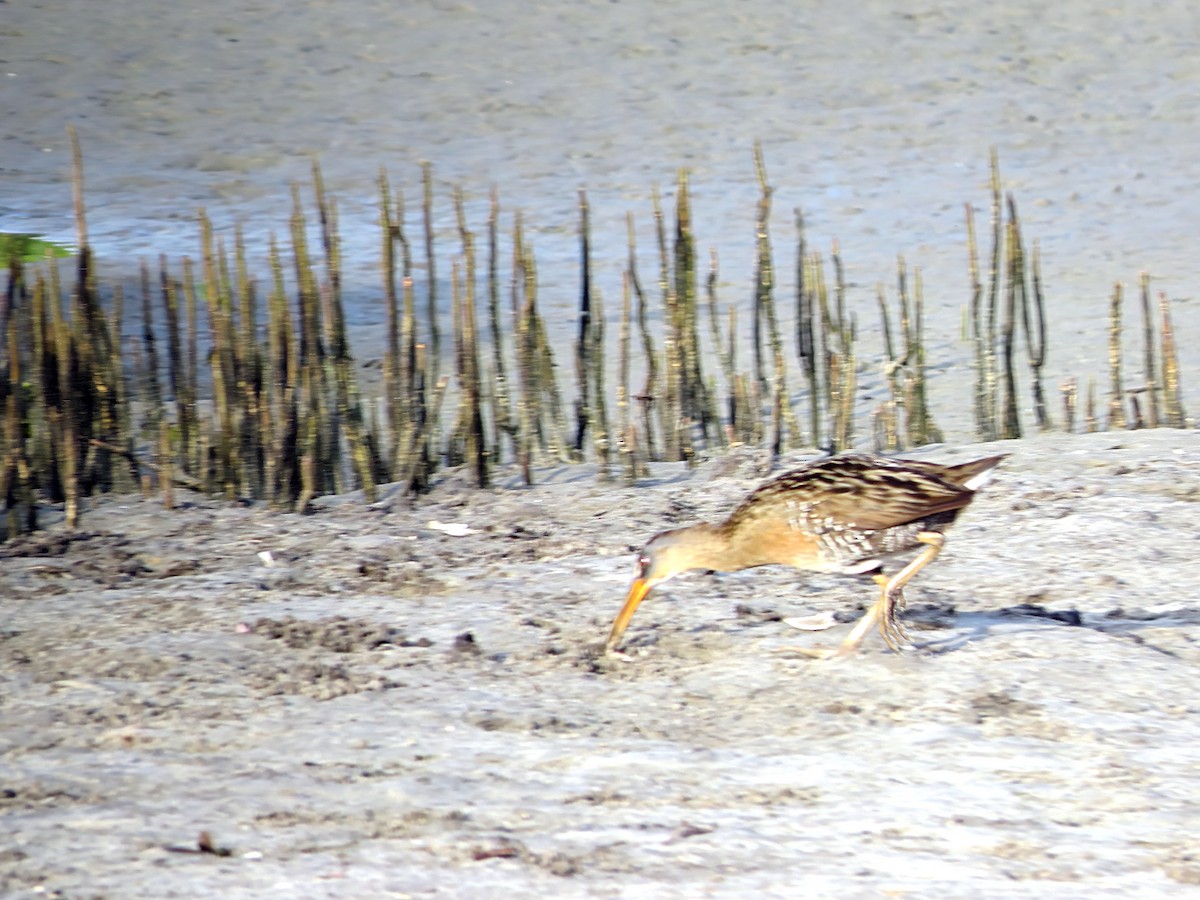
[895, 635]
[887, 609]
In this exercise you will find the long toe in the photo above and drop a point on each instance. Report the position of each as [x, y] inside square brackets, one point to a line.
[894, 634]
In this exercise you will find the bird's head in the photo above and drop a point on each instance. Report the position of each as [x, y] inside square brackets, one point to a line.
[668, 554]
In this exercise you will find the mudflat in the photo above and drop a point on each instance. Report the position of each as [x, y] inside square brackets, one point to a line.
[409, 699]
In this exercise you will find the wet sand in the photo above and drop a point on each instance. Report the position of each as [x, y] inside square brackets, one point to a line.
[389, 709]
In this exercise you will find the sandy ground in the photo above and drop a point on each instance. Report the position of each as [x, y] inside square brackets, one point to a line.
[389, 709]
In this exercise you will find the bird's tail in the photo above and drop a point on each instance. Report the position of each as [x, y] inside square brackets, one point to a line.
[975, 474]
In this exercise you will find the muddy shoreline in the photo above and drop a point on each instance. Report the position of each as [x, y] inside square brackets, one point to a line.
[383, 705]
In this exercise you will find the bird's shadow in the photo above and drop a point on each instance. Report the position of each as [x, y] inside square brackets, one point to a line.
[971, 627]
[924, 621]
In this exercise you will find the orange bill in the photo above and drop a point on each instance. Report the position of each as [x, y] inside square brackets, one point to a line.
[637, 593]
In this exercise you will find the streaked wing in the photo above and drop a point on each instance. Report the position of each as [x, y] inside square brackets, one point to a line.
[855, 491]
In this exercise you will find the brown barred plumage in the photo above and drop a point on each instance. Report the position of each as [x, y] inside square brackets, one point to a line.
[849, 514]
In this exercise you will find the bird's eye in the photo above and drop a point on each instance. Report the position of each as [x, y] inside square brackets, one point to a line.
[643, 564]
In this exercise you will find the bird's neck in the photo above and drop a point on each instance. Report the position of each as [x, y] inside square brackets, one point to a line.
[711, 548]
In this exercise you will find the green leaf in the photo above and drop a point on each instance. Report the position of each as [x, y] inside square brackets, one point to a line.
[28, 247]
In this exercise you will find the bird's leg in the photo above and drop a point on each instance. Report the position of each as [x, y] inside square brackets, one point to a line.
[861, 629]
[891, 598]
[864, 625]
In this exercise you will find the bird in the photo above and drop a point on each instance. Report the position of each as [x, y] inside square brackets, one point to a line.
[850, 513]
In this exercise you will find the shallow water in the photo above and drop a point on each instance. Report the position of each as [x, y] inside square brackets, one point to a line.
[877, 123]
[875, 119]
